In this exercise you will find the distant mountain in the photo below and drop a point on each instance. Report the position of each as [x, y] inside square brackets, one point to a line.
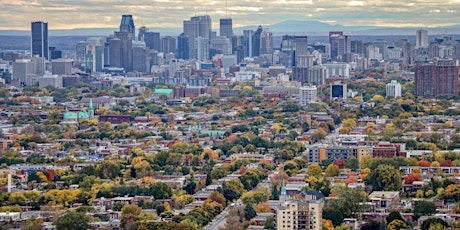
[300, 27]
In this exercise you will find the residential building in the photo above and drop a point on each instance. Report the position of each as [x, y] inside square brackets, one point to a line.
[437, 78]
[393, 89]
[308, 95]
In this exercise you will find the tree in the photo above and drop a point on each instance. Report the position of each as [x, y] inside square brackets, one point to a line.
[411, 178]
[394, 215]
[332, 171]
[217, 197]
[208, 179]
[270, 223]
[385, 177]
[314, 170]
[129, 214]
[274, 195]
[249, 212]
[424, 208]
[161, 190]
[351, 163]
[190, 187]
[349, 200]
[72, 221]
[327, 224]
[333, 215]
[428, 223]
[263, 207]
[396, 225]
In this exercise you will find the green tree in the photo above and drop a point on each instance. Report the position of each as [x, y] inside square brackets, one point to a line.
[270, 223]
[249, 212]
[332, 171]
[275, 195]
[424, 208]
[428, 223]
[349, 200]
[333, 215]
[72, 221]
[351, 163]
[190, 187]
[394, 215]
[208, 179]
[385, 177]
[314, 170]
[396, 225]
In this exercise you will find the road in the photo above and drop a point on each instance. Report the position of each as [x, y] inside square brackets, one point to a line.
[221, 219]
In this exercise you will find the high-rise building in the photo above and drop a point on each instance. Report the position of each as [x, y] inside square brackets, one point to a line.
[382, 45]
[126, 50]
[421, 38]
[247, 42]
[183, 46]
[61, 66]
[334, 37]
[141, 61]
[226, 27]
[198, 26]
[142, 32]
[393, 89]
[266, 42]
[437, 78]
[308, 95]
[127, 25]
[168, 45]
[152, 40]
[39, 39]
[256, 42]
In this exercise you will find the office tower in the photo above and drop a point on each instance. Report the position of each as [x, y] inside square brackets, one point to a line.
[393, 89]
[39, 39]
[22, 70]
[421, 38]
[141, 61]
[126, 40]
[183, 47]
[200, 49]
[357, 47]
[307, 95]
[152, 40]
[95, 54]
[266, 42]
[226, 27]
[247, 42]
[115, 52]
[221, 45]
[382, 45]
[127, 25]
[287, 55]
[61, 67]
[168, 45]
[198, 26]
[39, 65]
[301, 47]
[437, 78]
[142, 32]
[334, 37]
[256, 42]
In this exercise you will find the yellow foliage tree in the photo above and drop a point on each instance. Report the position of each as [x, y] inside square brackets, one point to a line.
[263, 207]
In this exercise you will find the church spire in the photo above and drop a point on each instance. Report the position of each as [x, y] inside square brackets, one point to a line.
[283, 192]
[91, 109]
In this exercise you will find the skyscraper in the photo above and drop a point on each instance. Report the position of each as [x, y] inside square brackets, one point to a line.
[340, 44]
[266, 42]
[183, 47]
[142, 31]
[382, 45]
[152, 40]
[39, 39]
[421, 38]
[226, 27]
[198, 26]
[168, 45]
[256, 42]
[247, 42]
[437, 78]
[127, 25]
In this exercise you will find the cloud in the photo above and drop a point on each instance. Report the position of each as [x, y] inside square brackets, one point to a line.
[17, 14]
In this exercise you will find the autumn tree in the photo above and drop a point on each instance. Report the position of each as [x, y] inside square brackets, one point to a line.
[72, 221]
[314, 170]
[332, 171]
[386, 178]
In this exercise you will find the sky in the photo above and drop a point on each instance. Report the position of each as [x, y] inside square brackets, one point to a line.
[69, 14]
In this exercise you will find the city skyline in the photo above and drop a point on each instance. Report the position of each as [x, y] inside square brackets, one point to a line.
[171, 13]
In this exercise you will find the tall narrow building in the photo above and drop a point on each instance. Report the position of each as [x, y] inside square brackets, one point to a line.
[127, 25]
[197, 27]
[226, 27]
[421, 38]
[39, 39]
[256, 42]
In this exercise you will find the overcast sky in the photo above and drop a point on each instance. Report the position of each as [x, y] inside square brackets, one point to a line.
[68, 14]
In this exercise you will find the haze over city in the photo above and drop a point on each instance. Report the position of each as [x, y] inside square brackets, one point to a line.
[171, 13]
